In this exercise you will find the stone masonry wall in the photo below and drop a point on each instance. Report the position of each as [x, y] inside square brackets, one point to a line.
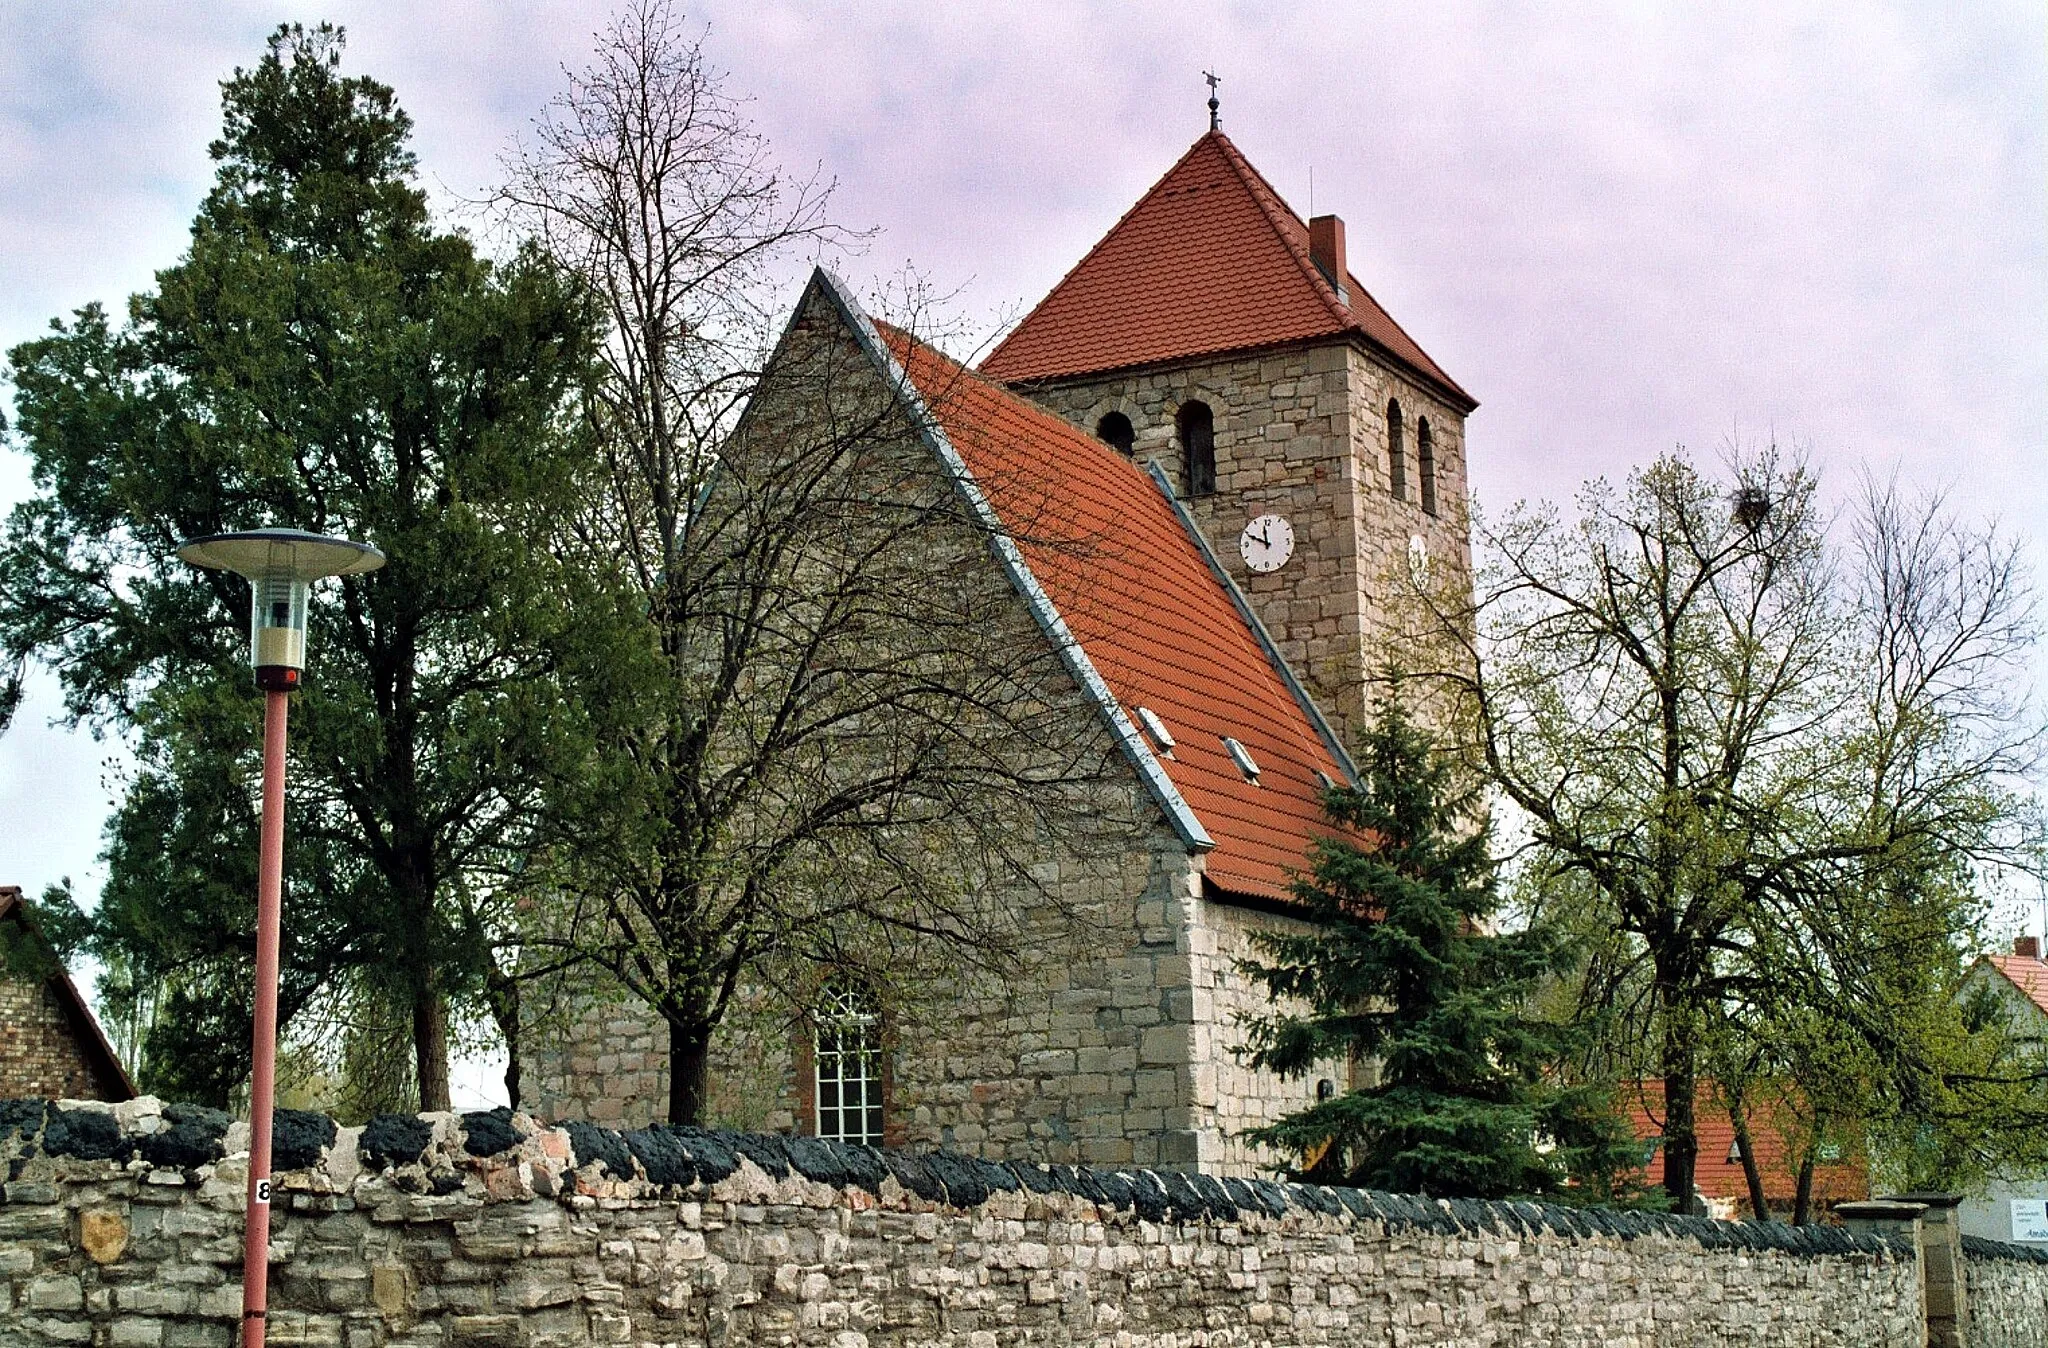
[1087, 1057]
[40, 1053]
[2008, 1294]
[122, 1227]
[1301, 431]
[1230, 1096]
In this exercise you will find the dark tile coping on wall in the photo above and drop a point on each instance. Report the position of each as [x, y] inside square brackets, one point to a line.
[678, 1158]
[1977, 1247]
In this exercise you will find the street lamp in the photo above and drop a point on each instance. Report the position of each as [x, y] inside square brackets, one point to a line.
[280, 566]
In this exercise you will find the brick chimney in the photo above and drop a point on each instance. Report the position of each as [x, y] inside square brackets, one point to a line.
[2027, 947]
[1326, 250]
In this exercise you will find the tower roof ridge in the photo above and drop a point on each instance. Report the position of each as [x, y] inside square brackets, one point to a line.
[1210, 259]
[1280, 215]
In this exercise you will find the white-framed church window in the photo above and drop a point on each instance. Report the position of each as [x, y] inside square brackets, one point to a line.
[849, 1065]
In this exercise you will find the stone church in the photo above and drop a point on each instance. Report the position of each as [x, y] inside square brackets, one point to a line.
[1270, 449]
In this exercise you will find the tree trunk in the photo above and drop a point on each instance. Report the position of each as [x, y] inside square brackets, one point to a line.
[1681, 1129]
[502, 996]
[430, 1047]
[1802, 1197]
[689, 1071]
[1759, 1205]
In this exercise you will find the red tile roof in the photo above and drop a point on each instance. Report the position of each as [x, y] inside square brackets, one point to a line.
[1114, 558]
[2028, 973]
[1210, 260]
[1718, 1173]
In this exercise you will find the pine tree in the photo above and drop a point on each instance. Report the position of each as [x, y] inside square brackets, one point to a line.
[1399, 968]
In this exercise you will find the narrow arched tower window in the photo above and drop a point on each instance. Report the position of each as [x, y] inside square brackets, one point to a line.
[848, 1062]
[1115, 429]
[1397, 456]
[1197, 425]
[1425, 463]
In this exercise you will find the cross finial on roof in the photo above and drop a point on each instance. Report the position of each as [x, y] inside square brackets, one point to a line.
[1214, 80]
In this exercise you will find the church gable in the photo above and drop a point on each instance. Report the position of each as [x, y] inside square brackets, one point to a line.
[1211, 260]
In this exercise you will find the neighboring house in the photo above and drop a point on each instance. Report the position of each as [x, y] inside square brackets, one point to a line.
[50, 1044]
[1718, 1176]
[2014, 1209]
[1246, 447]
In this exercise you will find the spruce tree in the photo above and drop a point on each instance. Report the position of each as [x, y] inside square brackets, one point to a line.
[1400, 968]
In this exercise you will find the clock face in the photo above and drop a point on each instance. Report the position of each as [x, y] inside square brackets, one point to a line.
[1267, 542]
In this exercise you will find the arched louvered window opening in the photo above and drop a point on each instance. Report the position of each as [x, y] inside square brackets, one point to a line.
[1115, 429]
[1397, 454]
[848, 1063]
[1425, 463]
[1197, 426]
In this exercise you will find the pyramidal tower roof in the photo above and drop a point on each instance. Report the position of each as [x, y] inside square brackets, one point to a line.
[1211, 260]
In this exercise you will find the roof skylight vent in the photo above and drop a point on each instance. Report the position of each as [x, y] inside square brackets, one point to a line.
[1242, 756]
[1162, 738]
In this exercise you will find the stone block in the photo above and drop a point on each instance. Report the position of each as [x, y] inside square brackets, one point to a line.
[484, 1331]
[55, 1292]
[103, 1233]
[133, 1331]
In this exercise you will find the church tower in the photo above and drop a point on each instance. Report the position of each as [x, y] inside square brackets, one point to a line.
[1318, 447]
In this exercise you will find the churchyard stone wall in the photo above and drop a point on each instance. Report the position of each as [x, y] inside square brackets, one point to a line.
[121, 1226]
[2008, 1294]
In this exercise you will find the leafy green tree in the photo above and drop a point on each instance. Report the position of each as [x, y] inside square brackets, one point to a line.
[324, 357]
[1399, 968]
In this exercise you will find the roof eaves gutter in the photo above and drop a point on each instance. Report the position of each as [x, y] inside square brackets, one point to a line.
[1331, 740]
[1178, 813]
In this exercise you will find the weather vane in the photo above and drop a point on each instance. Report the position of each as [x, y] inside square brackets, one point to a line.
[1215, 123]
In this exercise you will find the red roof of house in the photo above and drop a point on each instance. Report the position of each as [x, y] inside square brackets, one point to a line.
[1210, 260]
[1119, 565]
[2028, 973]
[1718, 1172]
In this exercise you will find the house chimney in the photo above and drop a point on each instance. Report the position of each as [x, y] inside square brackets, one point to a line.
[2027, 947]
[1326, 250]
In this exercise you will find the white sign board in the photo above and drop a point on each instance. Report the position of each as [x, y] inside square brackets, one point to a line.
[2030, 1219]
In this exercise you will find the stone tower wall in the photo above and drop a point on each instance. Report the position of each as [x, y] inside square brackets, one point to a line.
[1301, 431]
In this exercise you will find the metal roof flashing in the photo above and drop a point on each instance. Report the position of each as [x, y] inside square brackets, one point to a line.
[1331, 740]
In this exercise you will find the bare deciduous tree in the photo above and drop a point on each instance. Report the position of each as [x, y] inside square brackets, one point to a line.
[831, 734]
[1712, 723]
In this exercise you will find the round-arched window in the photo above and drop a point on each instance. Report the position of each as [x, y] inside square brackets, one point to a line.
[848, 1062]
[1115, 429]
[1197, 427]
[1397, 454]
[1425, 462]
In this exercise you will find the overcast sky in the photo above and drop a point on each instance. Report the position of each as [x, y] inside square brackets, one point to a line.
[1619, 226]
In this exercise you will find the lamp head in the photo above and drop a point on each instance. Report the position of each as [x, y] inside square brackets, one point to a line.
[280, 566]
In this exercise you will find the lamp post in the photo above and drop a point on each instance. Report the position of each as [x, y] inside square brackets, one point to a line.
[280, 566]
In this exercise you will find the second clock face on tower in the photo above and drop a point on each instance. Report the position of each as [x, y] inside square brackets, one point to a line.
[1266, 543]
